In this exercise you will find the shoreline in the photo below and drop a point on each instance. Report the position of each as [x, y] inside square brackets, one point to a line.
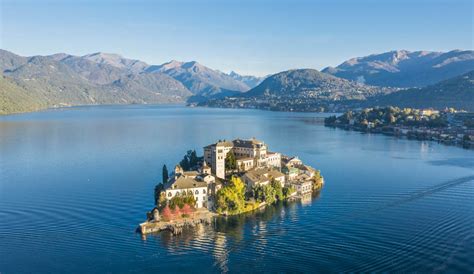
[207, 217]
[412, 134]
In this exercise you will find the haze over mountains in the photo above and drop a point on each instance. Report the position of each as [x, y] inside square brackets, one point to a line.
[455, 92]
[310, 83]
[405, 69]
[31, 83]
[103, 78]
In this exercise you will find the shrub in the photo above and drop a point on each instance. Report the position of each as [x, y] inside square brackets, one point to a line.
[166, 213]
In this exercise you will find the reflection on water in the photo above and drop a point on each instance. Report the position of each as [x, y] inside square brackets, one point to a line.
[75, 183]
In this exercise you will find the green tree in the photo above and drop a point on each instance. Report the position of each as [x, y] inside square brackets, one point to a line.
[189, 160]
[287, 191]
[269, 193]
[230, 161]
[193, 159]
[181, 200]
[278, 190]
[165, 174]
[184, 163]
[159, 188]
[231, 198]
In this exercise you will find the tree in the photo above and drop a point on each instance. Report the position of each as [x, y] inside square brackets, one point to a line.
[230, 162]
[186, 210]
[177, 212]
[166, 212]
[269, 193]
[184, 163]
[162, 201]
[189, 160]
[278, 190]
[231, 198]
[180, 201]
[193, 159]
[287, 191]
[165, 174]
[158, 190]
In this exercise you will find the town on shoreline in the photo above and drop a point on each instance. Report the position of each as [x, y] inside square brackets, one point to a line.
[232, 177]
[449, 126]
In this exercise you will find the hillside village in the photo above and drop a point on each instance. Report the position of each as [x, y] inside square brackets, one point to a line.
[231, 177]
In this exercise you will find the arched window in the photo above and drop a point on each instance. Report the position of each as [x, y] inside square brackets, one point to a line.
[196, 192]
[190, 192]
[203, 191]
[170, 194]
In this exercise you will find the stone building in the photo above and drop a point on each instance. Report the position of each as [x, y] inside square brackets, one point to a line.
[262, 176]
[249, 154]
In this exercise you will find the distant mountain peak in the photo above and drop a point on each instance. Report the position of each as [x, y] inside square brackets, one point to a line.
[173, 64]
[117, 61]
[403, 68]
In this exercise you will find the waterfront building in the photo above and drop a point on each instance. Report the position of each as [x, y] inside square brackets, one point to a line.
[182, 186]
[302, 186]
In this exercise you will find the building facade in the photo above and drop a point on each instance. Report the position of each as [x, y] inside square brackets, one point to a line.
[249, 154]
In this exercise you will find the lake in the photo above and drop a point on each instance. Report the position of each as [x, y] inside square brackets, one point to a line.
[75, 183]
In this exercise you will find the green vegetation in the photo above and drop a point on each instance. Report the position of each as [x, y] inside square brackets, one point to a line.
[317, 180]
[14, 98]
[235, 198]
[165, 174]
[271, 193]
[159, 188]
[230, 161]
[231, 198]
[180, 201]
[190, 160]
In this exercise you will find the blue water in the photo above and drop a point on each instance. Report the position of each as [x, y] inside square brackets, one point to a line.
[74, 184]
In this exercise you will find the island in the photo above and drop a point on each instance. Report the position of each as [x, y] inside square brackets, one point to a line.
[232, 177]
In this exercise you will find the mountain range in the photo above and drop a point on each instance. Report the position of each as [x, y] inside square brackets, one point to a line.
[102, 78]
[404, 68]
[31, 83]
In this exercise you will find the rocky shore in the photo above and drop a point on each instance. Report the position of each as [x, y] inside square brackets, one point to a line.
[176, 226]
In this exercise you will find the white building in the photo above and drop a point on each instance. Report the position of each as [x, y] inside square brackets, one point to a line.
[303, 187]
[182, 186]
[215, 155]
[249, 154]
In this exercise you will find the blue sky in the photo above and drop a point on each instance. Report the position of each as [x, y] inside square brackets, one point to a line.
[251, 37]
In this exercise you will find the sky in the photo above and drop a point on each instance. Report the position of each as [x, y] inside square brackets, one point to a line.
[257, 37]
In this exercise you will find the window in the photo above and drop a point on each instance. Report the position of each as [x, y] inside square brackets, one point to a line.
[197, 191]
[170, 194]
[197, 198]
[203, 191]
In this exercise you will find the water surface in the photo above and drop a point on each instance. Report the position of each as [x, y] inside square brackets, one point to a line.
[74, 183]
